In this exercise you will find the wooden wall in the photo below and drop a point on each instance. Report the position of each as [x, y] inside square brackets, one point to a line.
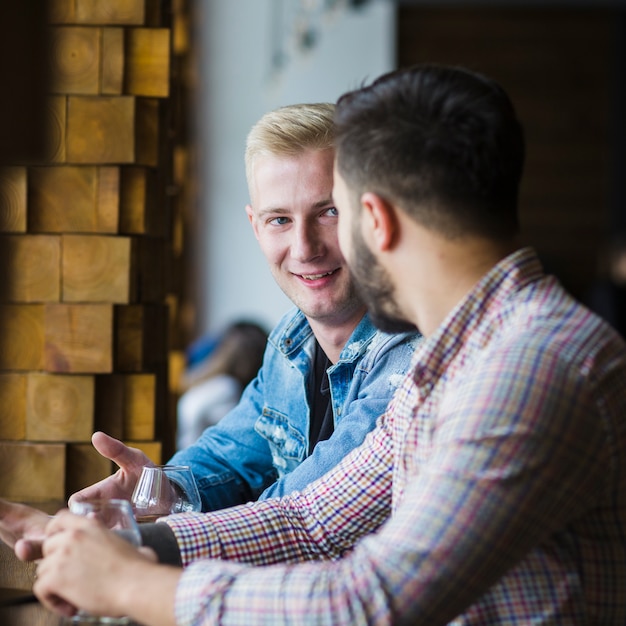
[560, 68]
[90, 250]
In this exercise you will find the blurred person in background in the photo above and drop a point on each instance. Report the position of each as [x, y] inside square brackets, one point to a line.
[212, 385]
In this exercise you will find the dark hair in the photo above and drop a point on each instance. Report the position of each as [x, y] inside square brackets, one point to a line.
[443, 143]
[238, 353]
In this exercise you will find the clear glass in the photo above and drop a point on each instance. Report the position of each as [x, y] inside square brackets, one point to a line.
[114, 514]
[165, 489]
[118, 516]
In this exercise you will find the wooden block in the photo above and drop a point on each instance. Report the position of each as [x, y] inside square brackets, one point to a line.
[109, 408]
[78, 338]
[140, 212]
[29, 268]
[15, 574]
[112, 81]
[137, 197]
[85, 466]
[76, 199]
[96, 268]
[56, 122]
[101, 129]
[152, 449]
[12, 406]
[152, 256]
[21, 336]
[62, 199]
[28, 613]
[108, 199]
[140, 337]
[147, 132]
[13, 199]
[147, 62]
[75, 59]
[59, 407]
[140, 406]
[181, 165]
[125, 405]
[180, 34]
[32, 472]
[129, 12]
[178, 233]
[154, 12]
[62, 11]
[177, 364]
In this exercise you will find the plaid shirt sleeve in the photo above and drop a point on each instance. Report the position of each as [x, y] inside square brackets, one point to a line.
[320, 522]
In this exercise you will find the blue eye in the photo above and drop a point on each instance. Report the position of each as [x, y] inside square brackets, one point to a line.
[332, 211]
[279, 221]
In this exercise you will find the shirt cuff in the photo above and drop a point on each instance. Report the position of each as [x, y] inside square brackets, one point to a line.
[162, 540]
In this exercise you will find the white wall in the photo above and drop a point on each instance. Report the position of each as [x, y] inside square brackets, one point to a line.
[238, 85]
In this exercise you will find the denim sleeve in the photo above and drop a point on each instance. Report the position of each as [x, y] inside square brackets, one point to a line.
[376, 378]
[231, 463]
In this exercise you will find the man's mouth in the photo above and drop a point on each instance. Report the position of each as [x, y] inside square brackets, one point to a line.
[316, 276]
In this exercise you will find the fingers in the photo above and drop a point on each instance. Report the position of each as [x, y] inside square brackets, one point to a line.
[28, 549]
[45, 592]
[122, 483]
[19, 522]
[64, 520]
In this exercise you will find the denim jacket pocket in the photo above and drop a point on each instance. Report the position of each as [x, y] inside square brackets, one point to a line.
[287, 445]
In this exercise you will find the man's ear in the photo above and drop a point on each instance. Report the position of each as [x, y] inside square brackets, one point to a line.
[250, 214]
[379, 220]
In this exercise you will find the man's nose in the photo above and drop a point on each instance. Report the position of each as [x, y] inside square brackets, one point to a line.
[307, 243]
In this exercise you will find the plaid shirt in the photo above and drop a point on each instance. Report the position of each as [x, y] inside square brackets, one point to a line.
[493, 491]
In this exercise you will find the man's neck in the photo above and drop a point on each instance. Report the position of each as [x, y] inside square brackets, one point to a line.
[445, 272]
[332, 337]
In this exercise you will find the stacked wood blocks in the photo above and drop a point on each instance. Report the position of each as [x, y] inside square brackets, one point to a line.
[86, 253]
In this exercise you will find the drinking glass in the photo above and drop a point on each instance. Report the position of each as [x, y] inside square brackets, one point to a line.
[163, 490]
[118, 516]
[114, 514]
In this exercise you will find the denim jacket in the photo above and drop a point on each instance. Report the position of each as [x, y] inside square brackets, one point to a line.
[259, 449]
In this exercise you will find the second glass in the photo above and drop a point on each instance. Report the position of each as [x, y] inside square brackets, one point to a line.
[165, 489]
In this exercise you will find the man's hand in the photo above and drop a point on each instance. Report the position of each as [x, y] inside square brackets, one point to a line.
[121, 484]
[22, 528]
[88, 567]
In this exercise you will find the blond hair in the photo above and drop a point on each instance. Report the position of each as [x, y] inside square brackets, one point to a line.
[290, 131]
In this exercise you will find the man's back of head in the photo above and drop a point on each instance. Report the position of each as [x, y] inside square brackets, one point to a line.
[442, 143]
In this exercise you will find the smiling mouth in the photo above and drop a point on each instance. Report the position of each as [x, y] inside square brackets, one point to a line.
[316, 276]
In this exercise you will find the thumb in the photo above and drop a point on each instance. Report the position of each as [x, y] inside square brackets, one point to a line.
[122, 455]
[149, 553]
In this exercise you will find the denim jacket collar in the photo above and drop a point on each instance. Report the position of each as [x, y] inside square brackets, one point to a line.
[293, 333]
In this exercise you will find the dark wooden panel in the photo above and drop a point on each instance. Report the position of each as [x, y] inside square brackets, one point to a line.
[558, 65]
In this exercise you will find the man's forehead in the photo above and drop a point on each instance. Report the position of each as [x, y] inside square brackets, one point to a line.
[327, 156]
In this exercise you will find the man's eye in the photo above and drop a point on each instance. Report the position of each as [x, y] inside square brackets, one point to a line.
[279, 221]
[332, 211]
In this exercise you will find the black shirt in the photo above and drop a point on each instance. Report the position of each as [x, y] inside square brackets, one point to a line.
[322, 420]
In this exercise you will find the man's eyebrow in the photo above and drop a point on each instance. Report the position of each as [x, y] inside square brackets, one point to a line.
[273, 211]
[322, 203]
[328, 202]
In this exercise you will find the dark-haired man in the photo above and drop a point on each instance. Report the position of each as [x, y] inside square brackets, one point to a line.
[493, 490]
